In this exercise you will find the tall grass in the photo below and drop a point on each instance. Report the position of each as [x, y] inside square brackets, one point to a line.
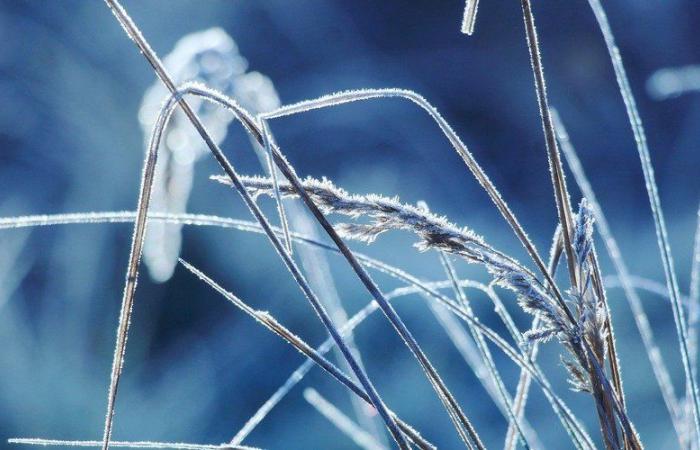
[575, 315]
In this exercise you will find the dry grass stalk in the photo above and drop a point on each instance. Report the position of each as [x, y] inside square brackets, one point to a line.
[137, 242]
[587, 336]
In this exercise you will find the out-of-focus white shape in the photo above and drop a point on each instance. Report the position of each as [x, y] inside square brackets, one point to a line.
[341, 421]
[210, 57]
[674, 81]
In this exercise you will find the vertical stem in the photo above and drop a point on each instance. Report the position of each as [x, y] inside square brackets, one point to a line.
[555, 166]
[657, 212]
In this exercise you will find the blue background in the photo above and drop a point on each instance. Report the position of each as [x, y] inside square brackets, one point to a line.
[196, 368]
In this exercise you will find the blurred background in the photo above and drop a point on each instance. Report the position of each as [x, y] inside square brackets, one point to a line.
[73, 122]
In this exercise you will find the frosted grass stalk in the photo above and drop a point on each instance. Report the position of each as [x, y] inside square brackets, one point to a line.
[561, 194]
[265, 319]
[469, 18]
[415, 285]
[694, 297]
[340, 98]
[693, 315]
[653, 352]
[522, 391]
[135, 34]
[504, 397]
[654, 201]
[318, 271]
[462, 424]
[127, 444]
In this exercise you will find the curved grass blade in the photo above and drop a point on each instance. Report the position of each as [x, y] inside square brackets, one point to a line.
[655, 203]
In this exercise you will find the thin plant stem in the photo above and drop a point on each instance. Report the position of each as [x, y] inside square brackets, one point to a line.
[523, 388]
[319, 275]
[341, 421]
[340, 98]
[415, 286]
[134, 33]
[128, 444]
[655, 203]
[555, 167]
[641, 320]
[269, 322]
[469, 18]
[267, 139]
[505, 398]
[462, 424]
[693, 311]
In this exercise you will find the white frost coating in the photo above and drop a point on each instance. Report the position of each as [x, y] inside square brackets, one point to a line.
[126, 444]
[652, 189]
[413, 286]
[469, 17]
[341, 421]
[658, 365]
[484, 181]
[210, 57]
[674, 81]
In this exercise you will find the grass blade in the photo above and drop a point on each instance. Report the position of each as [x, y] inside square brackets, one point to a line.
[340, 98]
[654, 201]
[269, 322]
[134, 33]
[469, 17]
[654, 354]
[127, 444]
